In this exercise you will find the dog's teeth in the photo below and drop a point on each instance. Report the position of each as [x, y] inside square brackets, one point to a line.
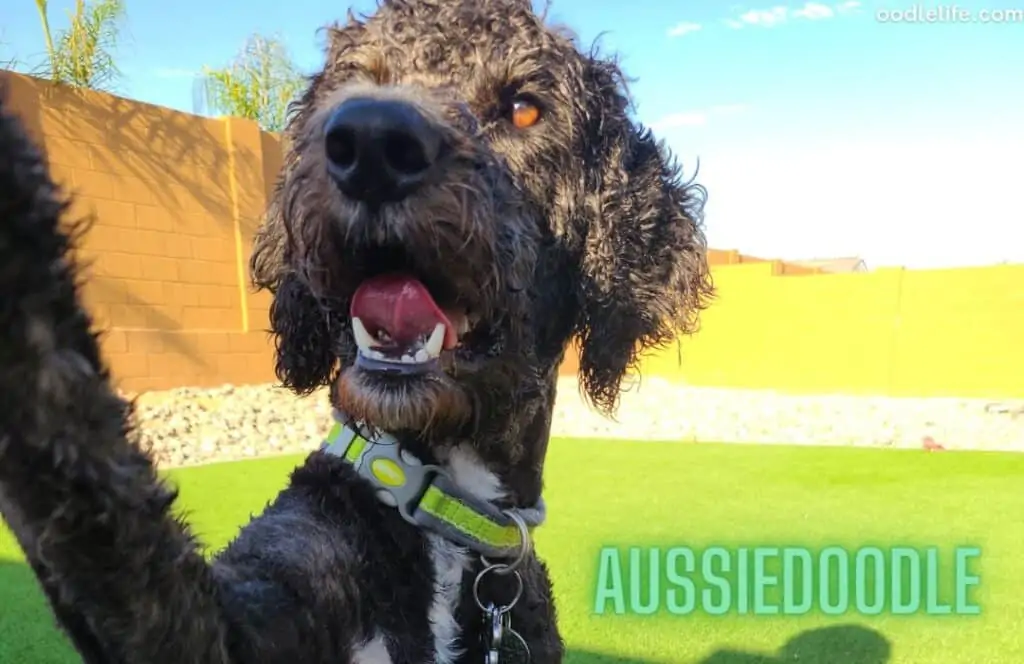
[463, 325]
[420, 353]
[435, 342]
[363, 338]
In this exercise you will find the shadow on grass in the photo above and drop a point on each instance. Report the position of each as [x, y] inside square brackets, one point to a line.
[577, 656]
[28, 633]
[840, 644]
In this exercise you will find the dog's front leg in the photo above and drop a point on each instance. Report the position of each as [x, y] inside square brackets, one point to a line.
[124, 577]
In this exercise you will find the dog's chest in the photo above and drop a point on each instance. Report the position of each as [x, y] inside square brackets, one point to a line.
[450, 562]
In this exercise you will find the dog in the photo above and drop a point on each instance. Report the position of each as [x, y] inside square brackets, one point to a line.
[463, 194]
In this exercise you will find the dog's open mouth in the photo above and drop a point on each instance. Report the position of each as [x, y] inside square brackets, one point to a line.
[400, 328]
[418, 330]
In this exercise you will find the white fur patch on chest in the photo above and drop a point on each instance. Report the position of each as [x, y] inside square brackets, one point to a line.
[374, 652]
[451, 560]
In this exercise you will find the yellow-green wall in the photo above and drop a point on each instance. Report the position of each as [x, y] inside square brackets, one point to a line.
[952, 332]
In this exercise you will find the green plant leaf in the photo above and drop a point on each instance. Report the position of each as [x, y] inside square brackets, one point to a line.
[259, 84]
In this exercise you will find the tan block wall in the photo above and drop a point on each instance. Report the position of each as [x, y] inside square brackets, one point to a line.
[175, 199]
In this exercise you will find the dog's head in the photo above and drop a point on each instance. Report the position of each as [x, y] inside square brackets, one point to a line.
[463, 192]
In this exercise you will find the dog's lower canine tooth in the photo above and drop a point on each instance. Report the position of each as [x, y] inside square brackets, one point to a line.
[435, 342]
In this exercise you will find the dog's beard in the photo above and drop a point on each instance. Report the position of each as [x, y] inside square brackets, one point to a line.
[429, 404]
[407, 345]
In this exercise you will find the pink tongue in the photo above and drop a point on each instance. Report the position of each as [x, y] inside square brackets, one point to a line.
[401, 306]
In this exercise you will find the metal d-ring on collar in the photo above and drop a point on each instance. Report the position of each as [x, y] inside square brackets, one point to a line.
[498, 618]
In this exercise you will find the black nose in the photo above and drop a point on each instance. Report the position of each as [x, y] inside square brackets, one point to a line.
[379, 151]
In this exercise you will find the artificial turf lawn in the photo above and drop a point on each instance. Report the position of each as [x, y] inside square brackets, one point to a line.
[662, 494]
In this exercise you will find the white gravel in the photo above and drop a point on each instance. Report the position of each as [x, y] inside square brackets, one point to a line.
[188, 426]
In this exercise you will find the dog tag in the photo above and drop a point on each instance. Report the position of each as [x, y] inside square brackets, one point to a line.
[513, 649]
[504, 644]
[494, 631]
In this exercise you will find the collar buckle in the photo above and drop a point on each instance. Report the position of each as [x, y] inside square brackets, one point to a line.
[399, 479]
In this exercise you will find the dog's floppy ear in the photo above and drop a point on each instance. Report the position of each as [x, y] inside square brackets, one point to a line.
[302, 339]
[303, 342]
[644, 275]
[304, 357]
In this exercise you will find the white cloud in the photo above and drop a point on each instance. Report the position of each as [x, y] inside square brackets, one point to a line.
[814, 11]
[776, 16]
[765, 17]
[683, 28]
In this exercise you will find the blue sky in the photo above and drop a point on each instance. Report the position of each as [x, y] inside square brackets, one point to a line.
[821, 130]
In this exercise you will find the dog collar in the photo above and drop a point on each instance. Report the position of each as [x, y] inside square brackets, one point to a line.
[425, 495]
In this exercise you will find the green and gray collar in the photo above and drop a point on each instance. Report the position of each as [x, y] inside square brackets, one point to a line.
[426, 496]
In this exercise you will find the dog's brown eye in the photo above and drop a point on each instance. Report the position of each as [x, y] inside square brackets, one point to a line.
[524, 113]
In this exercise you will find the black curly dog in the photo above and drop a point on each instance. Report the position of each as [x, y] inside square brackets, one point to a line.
[464, 192]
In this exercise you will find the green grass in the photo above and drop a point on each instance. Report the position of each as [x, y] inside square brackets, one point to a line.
[653, 494]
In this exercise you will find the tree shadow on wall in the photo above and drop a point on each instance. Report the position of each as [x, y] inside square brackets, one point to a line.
[158, 158]
[183, 161]
[113, 290]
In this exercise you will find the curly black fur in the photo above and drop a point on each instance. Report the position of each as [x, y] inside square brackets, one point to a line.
[579, 225]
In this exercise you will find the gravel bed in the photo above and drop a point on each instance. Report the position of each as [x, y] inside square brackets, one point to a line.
[188, 426]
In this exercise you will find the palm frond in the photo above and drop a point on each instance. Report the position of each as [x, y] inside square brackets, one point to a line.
[81, 55]
[9, 64]
[258, 84]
